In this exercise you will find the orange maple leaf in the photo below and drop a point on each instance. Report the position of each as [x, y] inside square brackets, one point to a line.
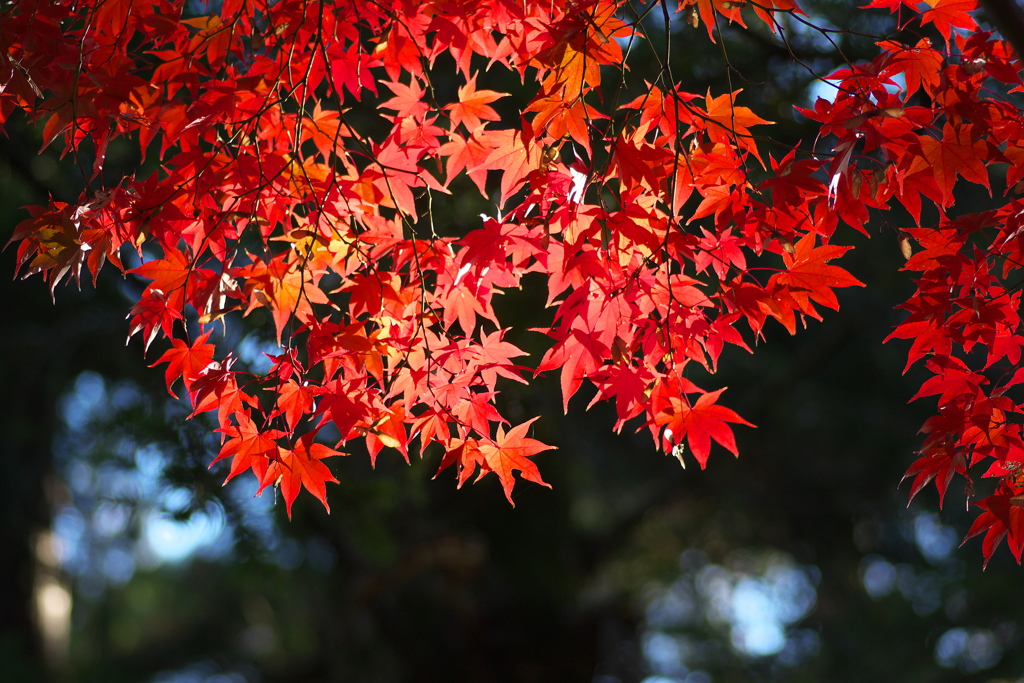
[284, 288]
[730, 10]
[169, 275]
[509, 452]
[325, 129]
[301, 467]
[558, 117]
[731, 124]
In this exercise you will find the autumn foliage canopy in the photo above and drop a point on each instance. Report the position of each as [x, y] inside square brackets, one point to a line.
[302, 148]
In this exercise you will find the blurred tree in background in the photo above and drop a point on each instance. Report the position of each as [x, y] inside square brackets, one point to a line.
[125, 559]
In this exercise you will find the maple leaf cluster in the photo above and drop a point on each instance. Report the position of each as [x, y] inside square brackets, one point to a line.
[301, 144]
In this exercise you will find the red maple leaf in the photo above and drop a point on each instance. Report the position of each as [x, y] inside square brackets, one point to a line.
[954, 154]
[494, 356]
[939, 464]
[647, 239]
[185, 361]
[953, 379]
[808, 278]
[466, 455]
[248, 446]
[408, 99]
[627, 384]
[514, 153]
[950, 14]
[466, 153]
[700, 422]
[473, 106]
[920, 65]
[579, 355]
[294, 401]
[152, 314]
[217, 389]
[1003, 517]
